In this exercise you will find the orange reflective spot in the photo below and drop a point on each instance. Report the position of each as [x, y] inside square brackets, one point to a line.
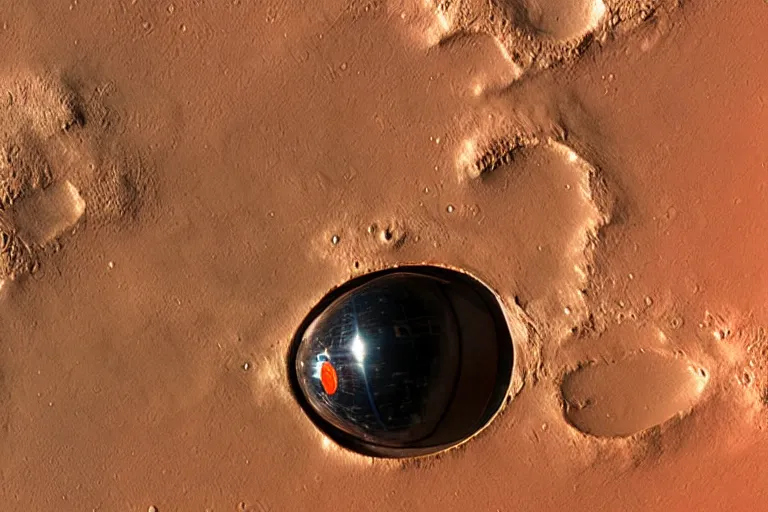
[328, 378]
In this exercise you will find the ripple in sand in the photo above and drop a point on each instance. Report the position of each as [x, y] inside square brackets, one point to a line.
[622, 398]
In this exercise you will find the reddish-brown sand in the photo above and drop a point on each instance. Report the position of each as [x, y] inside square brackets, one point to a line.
[172, 175]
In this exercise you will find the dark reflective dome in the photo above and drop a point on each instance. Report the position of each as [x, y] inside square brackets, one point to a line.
[403, 362]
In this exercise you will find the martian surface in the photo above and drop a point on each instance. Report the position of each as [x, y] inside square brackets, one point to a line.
[181, 182]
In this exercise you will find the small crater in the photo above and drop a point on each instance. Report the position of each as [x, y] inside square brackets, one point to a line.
[558, 19]
[623, 398]
[676, 322]
[393, 236]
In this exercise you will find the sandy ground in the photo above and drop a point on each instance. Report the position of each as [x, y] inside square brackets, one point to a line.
[172, 176]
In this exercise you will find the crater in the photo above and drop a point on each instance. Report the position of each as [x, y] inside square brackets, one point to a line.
[483, 59]
[625, 397]
[403, 362]
[47, 213]
[560, 202]
[540, 33]
[559, 19]
[53, 163]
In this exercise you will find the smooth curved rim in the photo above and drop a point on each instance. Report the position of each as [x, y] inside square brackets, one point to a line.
[496, 400]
